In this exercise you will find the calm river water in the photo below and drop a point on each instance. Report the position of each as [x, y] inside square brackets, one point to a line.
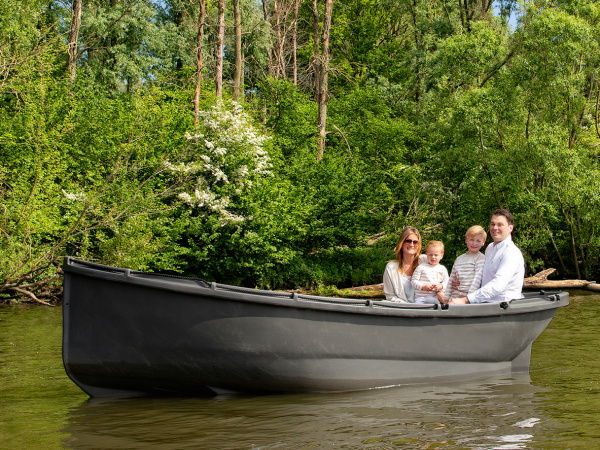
[556, 406]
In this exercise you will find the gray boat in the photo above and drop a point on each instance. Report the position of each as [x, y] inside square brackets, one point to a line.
[134, 333]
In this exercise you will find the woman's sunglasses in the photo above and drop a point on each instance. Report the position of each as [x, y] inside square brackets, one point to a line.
[411, 242]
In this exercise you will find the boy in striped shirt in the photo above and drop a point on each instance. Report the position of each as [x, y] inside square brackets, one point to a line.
[468, 267]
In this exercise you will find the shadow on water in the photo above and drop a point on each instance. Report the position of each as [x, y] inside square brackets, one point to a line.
[488, 413]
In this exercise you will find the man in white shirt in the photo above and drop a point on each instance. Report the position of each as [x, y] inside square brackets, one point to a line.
[504, 267]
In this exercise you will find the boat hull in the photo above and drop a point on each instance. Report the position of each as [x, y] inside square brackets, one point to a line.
[127, 333]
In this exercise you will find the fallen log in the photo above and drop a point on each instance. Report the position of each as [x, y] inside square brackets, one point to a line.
[540, 281]
[541, 276]
[593, 287]
[557, 284]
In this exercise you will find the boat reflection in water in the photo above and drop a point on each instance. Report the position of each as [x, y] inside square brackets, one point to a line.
[130, 333]
[493, 412]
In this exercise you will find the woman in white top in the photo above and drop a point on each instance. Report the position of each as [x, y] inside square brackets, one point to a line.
[398, 272]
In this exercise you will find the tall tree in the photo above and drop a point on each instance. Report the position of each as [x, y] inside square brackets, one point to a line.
[239, 60]
[219, 49]
[316, 40]
[271, 66]
[295, 43]
[122, 43]
[276, 14]
[324, 78]
[199, 61]
[73, 39]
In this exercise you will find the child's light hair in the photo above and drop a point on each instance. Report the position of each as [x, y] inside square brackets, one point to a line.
[476, 230]
[435, 244]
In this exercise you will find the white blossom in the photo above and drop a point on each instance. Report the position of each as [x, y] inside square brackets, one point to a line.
[79, 197]
[229, 159]
[220, 175]
[187, 198]
[190, 136]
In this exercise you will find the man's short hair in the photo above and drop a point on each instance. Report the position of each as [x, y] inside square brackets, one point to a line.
[476, 230]
[506, 213]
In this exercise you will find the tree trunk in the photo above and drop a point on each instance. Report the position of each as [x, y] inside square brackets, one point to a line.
[179, 23]
[485, 6]
[323, 79]
[270, 46]
[462, 13]
[316, 49]
[282, 11]
[278, 42]
[417, 52]
[237, 77]
[295, 43]
[199, 61]
[569, 217]
[73, 38]
[584, 256]
[219, 49]
[560, 260]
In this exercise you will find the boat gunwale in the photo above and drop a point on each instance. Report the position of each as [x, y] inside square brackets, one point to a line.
[532, 302]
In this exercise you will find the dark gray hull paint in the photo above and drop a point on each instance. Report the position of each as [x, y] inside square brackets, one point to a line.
[128, 333]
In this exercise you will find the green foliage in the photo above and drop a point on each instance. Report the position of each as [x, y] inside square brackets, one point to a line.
[342, 267]
[434, 120]
[463, 60]
[81, 173]
[123, 44]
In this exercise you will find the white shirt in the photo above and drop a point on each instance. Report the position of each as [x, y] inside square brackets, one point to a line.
[396, 286]
[503, 273]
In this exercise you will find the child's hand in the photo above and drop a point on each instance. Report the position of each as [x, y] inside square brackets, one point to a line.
[427, 287]
[437, 287]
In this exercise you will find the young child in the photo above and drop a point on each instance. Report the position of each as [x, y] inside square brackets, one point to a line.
[429, 279]
[468, 267]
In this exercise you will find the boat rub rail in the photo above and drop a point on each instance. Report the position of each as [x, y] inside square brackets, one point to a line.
[181, 283]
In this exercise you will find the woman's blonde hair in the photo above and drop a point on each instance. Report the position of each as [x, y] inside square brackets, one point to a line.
[398, 250]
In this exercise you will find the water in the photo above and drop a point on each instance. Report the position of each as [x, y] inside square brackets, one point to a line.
[556, 406]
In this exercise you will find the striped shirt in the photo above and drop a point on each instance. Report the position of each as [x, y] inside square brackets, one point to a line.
[425, 273]
[467, 269]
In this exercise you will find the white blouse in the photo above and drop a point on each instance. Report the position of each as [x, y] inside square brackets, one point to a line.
[396, 286]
